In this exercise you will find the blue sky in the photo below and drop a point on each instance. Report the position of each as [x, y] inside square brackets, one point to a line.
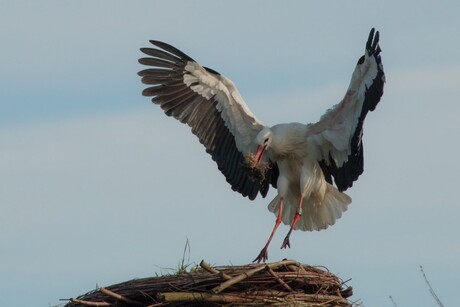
[98, 186]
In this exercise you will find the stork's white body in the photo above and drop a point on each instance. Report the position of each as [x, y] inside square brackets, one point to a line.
[301, 177]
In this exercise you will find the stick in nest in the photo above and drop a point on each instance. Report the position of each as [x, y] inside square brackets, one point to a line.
[256, 171]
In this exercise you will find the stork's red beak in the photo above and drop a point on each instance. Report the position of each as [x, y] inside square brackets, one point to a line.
[260, 153]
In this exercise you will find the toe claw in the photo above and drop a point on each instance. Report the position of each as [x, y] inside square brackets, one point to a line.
[263, 256]
[286, 243]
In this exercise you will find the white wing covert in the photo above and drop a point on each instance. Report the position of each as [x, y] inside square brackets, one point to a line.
[336, 138]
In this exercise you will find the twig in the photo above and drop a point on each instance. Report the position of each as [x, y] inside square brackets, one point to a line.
[249, 273]
[210, 269]
[296, 268]
[320, 299]
[171, 297]
[93, 304]
[431, 289]
[272, 273]
[119, 297]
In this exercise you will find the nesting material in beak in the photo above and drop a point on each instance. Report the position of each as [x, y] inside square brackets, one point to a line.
[255, 166]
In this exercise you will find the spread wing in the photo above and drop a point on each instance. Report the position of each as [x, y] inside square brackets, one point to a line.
[337, 137]
[212, 106]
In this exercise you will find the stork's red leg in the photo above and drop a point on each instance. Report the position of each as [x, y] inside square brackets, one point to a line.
[296, 219]
[263, 255]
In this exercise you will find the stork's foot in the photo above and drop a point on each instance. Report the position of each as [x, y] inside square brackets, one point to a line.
[286, 242]
[297, 216]
[263, 255]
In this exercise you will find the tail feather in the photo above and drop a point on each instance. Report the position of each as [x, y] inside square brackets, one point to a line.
[316, 214]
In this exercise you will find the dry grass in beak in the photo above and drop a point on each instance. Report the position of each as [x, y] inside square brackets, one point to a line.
[255, 171]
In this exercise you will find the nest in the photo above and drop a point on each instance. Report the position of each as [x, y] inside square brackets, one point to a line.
[284, 283]
[256, 171]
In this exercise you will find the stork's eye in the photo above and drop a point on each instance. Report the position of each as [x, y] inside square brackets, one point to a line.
[265, 141]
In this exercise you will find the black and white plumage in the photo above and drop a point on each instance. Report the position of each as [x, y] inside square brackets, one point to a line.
[305, 160]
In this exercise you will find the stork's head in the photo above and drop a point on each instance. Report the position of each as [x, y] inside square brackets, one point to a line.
[263, 141]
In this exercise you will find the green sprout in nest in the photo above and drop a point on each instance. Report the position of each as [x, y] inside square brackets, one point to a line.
[255, 171]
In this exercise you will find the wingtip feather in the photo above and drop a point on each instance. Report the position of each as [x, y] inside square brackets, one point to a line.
[372, 44]
[171, 49]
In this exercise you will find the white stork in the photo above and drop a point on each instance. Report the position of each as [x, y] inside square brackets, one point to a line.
[303, 159]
